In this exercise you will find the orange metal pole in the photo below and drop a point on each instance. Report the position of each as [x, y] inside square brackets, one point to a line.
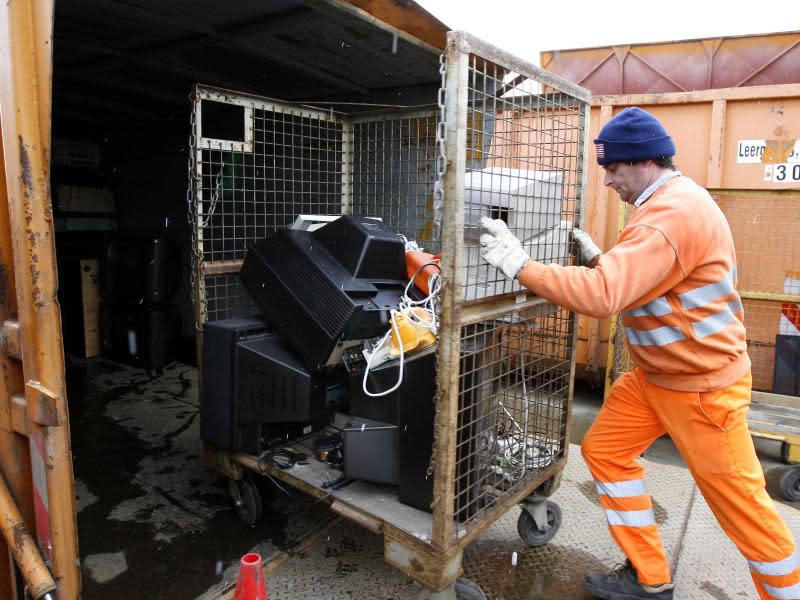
[23, 547]
[598, 232]
[15, 464]
[26, 35]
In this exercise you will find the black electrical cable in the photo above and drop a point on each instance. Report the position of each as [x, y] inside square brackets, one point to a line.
[280, 458]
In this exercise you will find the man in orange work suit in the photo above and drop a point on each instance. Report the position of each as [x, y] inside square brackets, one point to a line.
[672, 274]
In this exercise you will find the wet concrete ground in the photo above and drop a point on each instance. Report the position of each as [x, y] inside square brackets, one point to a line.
[155, 522]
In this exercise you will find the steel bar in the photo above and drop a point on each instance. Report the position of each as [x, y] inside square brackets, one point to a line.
[771, 296]
[222, 267]
[788, 90]
[14, 451]
[448, 360]
[341, 10]
[356, 516]
[477, 46]
[493, 308]
[599, 222]
[25, 109]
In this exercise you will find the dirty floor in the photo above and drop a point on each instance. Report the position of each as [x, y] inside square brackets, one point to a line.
[155, 521]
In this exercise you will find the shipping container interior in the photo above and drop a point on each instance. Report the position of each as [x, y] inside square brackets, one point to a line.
[122, 79]
[160, 186]
[123, 74]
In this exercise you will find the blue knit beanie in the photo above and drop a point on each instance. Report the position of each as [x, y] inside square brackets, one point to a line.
[631, 136]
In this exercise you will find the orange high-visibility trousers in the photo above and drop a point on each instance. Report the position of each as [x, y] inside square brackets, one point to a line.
[710, 431]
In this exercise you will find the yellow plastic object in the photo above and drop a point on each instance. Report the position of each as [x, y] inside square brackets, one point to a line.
[413, 336]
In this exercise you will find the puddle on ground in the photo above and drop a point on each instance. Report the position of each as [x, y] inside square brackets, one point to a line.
[545, 573]
[144, 488]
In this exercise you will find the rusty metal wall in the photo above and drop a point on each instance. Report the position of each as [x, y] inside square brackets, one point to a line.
[15, 466]
[682, 66]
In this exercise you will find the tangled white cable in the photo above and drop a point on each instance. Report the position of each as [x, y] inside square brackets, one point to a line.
[410, 310]
[535, 455]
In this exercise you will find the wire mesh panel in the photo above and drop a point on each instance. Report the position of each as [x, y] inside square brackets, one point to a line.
[392, 172]
[524, 149]
[226, 298]
[259, 164]
[515, 150]
[513, 407]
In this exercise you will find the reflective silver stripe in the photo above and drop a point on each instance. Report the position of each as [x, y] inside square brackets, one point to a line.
[655, 308]
[654, 337]
[622, 489]
[708, 293]
[777, 567]
[791, 592]
[718, 321]
[631, 518]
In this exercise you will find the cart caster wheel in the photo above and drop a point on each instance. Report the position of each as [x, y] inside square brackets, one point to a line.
[468, 590]
[530, 532]
[246, 500]
[790, 484]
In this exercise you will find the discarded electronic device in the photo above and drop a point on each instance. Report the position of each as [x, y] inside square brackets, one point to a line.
[328, 289]
[351, 326]
[256, 389]
[343, 321]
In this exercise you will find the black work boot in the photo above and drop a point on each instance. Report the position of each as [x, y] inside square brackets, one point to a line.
[623, 584]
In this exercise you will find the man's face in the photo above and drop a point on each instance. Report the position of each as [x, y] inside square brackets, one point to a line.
[628, 180]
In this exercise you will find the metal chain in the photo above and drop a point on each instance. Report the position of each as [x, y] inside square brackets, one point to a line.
[192, 213]
[441, 158]
[212, 206]
[438, 197]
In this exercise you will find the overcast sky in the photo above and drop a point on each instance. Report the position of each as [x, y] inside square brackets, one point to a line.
[526, 27]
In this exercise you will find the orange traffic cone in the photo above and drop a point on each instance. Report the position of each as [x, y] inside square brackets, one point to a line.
[250, 584]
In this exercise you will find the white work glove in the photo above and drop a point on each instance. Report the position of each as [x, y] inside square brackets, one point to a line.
[587, 249]
[501, 248]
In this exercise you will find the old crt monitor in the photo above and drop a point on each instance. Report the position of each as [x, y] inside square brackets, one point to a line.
[328, 289]
[254, 385]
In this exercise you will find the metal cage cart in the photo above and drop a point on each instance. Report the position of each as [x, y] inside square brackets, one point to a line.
[503, 139]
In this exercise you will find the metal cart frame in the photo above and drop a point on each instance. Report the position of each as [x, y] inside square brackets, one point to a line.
[777, 417]
[526, 343]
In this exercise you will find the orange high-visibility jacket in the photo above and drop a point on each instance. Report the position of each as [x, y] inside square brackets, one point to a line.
[672, 274]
